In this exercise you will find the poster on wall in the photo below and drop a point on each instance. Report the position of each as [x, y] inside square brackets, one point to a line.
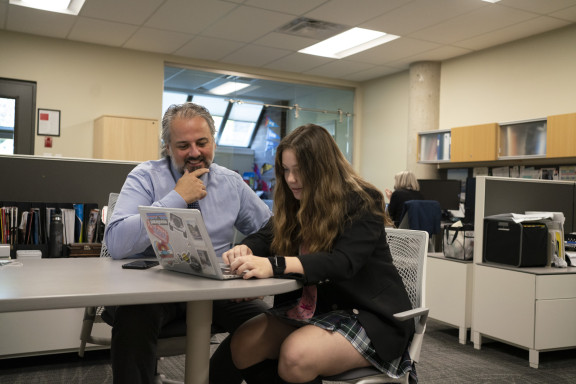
[48, 122]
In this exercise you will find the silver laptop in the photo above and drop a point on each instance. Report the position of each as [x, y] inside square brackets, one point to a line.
[181, 242]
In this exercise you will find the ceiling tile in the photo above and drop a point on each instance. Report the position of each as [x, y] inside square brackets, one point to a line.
[394, 50]
[566, 14]
[483, 20]
[285, 41]
[247, 24]
[153, 40]
[352, 13]
[255, 56]
[339, 68]
[3, 14]
[420, 14]
[208, 48]
[539, 6]
[372, 73]
[126, 11]
[515, 32]
[28, 20]
[101, 32]
[293, 7]
[297, 62]
[442, 53]
[183, 15]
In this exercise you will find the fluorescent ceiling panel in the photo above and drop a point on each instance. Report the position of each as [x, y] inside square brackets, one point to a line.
[349, 43]
[71, 7]
[228, 87]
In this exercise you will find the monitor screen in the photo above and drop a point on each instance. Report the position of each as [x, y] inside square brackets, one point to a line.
[446, 192]
[470, 201]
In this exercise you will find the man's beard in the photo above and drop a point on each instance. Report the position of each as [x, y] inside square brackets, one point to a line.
[190, 168]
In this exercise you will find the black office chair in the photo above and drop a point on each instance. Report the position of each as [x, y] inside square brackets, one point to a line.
[423, 215]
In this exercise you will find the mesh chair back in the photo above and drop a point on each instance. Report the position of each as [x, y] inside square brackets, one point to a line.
[409, 250]
[112, 198]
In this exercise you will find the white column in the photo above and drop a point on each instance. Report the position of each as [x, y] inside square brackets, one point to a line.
[423, 110]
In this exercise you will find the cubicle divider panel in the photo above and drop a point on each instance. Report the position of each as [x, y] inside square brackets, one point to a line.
[61, 180]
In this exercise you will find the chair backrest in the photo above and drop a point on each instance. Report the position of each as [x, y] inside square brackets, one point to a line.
[409, 250]
[112, 198]
[422, 215]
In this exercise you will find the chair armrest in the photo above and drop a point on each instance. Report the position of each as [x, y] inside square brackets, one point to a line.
[412, 313]
[420, 328]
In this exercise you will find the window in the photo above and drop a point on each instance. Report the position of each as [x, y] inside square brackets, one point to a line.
[240, 125]
[218, 106]
[17, 116]
[7, 119]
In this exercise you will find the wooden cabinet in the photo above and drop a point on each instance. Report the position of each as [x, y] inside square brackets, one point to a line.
[561, 137]
[474, 143]
[126, 138]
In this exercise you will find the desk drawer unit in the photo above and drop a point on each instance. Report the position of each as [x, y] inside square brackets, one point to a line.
[555, 312]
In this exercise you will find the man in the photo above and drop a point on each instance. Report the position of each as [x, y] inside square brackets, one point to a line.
[186, 175]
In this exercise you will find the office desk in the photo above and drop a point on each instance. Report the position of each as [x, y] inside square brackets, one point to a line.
[71, 283]
[449, 292]
[533, 308]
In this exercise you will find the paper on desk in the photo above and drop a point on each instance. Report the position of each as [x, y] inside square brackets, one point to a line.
[518, 218]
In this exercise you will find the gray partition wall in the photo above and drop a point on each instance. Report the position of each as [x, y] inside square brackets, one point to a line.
[60, 180]
[518, 196]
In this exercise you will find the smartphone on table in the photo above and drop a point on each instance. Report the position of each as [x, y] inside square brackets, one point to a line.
[140, 264]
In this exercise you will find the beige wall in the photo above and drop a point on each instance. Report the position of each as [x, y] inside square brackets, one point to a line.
[85, 81]
[529, 79]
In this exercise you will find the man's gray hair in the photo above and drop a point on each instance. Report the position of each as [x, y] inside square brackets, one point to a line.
[183, 111]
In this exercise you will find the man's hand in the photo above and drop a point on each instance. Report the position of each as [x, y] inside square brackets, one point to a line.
[190, 187]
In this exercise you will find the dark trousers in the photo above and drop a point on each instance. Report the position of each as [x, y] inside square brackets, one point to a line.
[136, 328]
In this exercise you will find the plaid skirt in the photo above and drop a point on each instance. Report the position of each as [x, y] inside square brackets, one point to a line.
[348, 326]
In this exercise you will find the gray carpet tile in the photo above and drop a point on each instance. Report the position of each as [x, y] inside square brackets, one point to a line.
[443, 361]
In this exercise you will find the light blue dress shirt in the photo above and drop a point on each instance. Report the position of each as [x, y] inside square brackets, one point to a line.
[229, 203]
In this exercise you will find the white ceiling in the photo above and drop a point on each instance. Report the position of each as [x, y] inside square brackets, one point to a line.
[243, 32]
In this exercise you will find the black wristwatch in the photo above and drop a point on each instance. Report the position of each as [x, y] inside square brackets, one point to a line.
[278, 265]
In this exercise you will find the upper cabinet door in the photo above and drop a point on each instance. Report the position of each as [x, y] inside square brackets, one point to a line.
[561, 136]
[474, 143]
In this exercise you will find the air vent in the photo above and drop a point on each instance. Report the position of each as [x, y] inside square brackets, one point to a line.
[312, 29]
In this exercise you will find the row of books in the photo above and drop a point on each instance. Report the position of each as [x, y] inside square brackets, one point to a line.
[29, 223]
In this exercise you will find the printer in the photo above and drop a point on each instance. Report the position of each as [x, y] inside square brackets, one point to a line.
[517, 244]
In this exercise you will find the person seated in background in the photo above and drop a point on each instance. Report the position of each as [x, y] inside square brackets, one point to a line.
[406, 188]
[328, 230]
[185, 177]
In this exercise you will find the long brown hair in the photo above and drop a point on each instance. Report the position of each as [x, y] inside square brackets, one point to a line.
[329, 182]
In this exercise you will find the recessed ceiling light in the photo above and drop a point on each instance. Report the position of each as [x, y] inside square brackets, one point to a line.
[349, 43]
[71, 7]
[491, 1]
[228, 88]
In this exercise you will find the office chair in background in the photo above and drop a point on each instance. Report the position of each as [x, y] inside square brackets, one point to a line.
[409, 252]
[423, 215]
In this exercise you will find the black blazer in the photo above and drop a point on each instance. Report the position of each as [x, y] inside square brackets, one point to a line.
[357, 276]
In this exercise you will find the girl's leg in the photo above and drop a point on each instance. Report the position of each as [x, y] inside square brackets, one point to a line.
[258, 339]
[311, 351]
